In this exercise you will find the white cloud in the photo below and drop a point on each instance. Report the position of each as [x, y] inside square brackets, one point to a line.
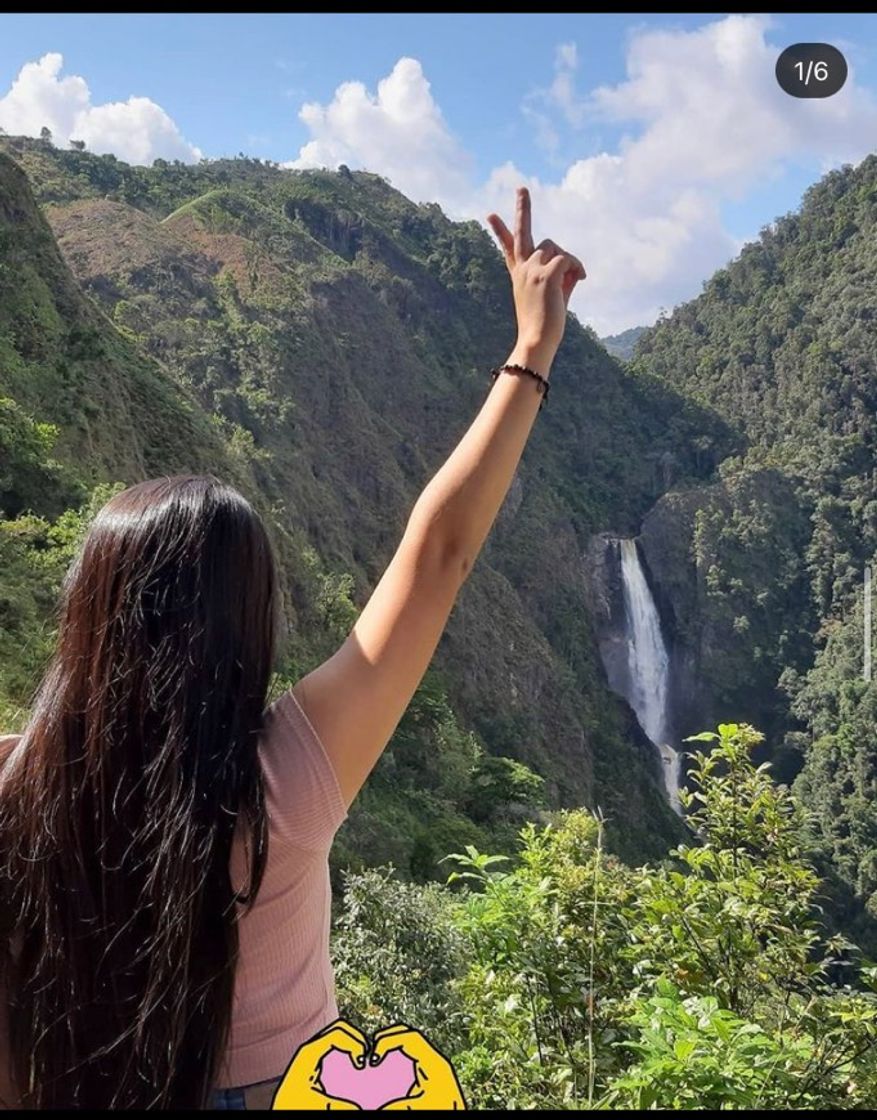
[703, 122]
[399, 133]
[562, 92]
[136, 130]
[714, 114]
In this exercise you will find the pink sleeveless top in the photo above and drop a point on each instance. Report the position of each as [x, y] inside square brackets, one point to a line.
[284, 985]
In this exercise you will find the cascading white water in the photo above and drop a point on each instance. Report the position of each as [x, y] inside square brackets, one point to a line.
[648, 664]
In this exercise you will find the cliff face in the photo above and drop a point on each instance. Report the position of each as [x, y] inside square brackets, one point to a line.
[726, 566]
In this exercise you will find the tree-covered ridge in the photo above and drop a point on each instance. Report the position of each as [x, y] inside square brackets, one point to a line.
[769, 577]
[782, 344]
[108, 411]
[79, 405]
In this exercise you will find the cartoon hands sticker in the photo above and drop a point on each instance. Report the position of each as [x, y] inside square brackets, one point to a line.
[435, 1083]
[335, 1071]
[301, 1087]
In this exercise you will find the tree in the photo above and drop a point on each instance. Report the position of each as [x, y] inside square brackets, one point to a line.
[46, 134]
[77, 145]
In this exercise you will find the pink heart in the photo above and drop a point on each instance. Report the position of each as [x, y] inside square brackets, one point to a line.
[371, 1086]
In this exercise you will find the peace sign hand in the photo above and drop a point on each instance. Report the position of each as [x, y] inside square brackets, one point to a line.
[543, 279]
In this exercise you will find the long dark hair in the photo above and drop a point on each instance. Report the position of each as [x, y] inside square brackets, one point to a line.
[119, 806]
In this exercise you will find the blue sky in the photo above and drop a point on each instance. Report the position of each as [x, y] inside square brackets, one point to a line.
[654, 144]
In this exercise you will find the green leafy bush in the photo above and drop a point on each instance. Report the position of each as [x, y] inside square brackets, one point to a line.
[570, 980]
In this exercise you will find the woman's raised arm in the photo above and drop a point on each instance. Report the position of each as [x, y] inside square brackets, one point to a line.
[356, 698]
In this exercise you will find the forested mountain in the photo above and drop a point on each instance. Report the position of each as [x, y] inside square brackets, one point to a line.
[763, 572]
[623, 345]
[323, 341]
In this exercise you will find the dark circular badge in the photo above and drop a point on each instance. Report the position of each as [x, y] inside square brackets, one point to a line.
[811, 70]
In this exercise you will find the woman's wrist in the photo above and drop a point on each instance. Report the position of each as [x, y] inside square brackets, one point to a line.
[535, 355]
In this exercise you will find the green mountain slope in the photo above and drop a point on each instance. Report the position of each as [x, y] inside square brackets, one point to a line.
[116, 413]
[79, 405]
[337, 339]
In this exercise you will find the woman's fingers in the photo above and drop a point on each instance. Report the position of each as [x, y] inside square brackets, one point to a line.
[566, 266]
[582, 275]
[547, 250]
[523, 227]
[519, 247]
[503, 236]
[565, 270]
[552, 251]
[560, 265]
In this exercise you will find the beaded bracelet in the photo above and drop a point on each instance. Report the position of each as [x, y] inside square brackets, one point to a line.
[511, 367]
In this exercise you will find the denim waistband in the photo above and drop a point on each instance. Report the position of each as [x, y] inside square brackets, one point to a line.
[256, 1097]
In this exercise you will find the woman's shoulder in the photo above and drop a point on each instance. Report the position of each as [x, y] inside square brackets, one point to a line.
[301, 786]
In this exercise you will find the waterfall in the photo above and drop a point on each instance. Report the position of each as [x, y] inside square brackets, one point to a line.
[648, 666]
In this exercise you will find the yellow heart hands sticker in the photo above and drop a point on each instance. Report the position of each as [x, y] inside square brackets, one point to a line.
[337, 1069]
